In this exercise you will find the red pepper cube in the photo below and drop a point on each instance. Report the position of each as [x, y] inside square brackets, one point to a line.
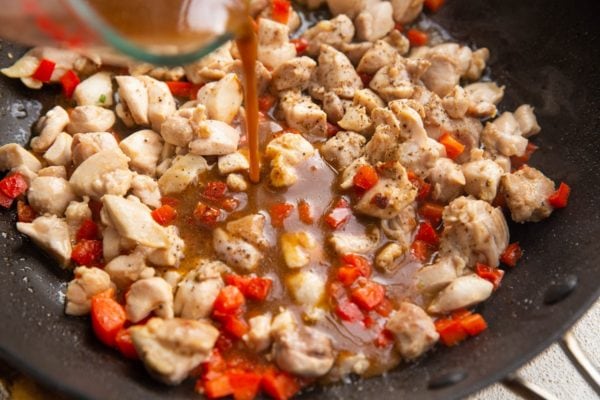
[229, 301]
[511, 254]
[560, 198]
[366, 177]
[69, 82]
[44, 71]
[451, 331]
[368, 296]
[348, 311]
[417, 37]
[427, 234]
[454, 148]
[87, 252]
[13, 186]
[164, 215]
[279, 212]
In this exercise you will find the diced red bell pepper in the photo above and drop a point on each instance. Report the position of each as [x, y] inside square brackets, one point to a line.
[560, 198]
[235, 326]
[169, 201]
[304, 212]
[108, 318]
[517, 162]
[125, 344]
[368, 296]
[207, 215]
[359, 262]
[451, 331]
[347, 275]
[454, 148]
[434, 5]
[301, 45]
[474, 324]
[69, 82]
[494, 275]
[88, 230]
[384, 339]
[25, 212]
[215, 190]
[245, 384]
[339, 215]
[423, 188]
[348, 311]
[420, 250]
[266, 102]
[417, 37]
[384, 308]
[280, 11]
[13, 185]
[164, 215]
[258, 289]
[332, 129]
[511, 254]
[229, 301]
[44, 71]
[432, 212]
[427, 234]
[366, 177]
[183, 89]
[5, 201]
[87, 252]
[279, 385]
[279, 212]
[218, 387]
[229, 204]
[399, 27]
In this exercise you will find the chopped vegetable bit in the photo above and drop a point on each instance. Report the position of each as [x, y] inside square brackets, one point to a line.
[102, 99]
[234, 326]
[87, 252]
[229, 301]
[454, 148]
[69, 82]
[511, 254]
[488, 273]
[253, 288]
[368, 296]
[417, 37]
[434, 5]
[13, 185]
[88, 230]
[25, 212]
[339, 215]
[184, 89]
[245, 384]
[207, 215]
[348, 311]
[164, 214]
[266, 102]
[362, 265]
[451, 331]
[301, 45]
[304, 212]
[215, 190]
[125, 344]
[560, 198]
[423, 188]
[44, 71]
[366, 177]
[517, 162]
[217, 387]
[432, 212]
[108, 318]
[332, 129]
[420, 250]
[385, 338]
[279, 212]
[279, 385]
[474, 324]
[280, 11]
[427, 234]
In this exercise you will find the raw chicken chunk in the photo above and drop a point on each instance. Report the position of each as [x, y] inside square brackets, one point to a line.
[526, 192]
[95, 91]
[149, 295]
[50, 195]
[85, 119]
[143, 149]
[86, 283]
[463, 292]
[51, 234]
[413, 330]
[49, 126]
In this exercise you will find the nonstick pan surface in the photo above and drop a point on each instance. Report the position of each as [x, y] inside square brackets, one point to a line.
[547, 54]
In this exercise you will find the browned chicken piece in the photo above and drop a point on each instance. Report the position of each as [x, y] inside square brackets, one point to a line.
[343, 148]
[86, 283]
[526, 192]
[413, 330]
[305, 352]
[333, 32]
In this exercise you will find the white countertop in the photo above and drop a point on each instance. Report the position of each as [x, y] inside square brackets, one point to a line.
[552, 369]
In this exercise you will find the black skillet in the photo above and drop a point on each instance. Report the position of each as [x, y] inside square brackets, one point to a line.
[547, 54]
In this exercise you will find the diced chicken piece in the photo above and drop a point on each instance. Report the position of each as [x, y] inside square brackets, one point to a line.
[233, 162]
[95, 91]
[368, 99]
[111, 243]
[235, 252]
[527, 121]
[334, 107]
[347, 178]
[60, 151]
[304, 352]
[24, 68]
[146, 189]
[181, 128]
[149, 295]
[392, 82]
[483, 97]
[223, 98]
[479, 59]
[447, 180]
[346, 243]
[105, 172]
[307, 289]
[14, 156]
[196, 293]
[294, 74]
[173, 278]
[401, 227]
[50, 195]
[251, 228]
[463, 292]
[133, 221]
[258, 337]
[287, 151]
[127, 269]
[172, 348]
[526, 192]
[296, 248]
[85, 145]
[51, 234]
[173, 254]
[356, 119]
[236, 183]
[216, 138]
[263, 75]
[161, 103]
[406, 11]
[390, 195]
[343, 148]
[301, 113]
[355, 51]
[433, 278]
[49, 126]
[160, 73]
[474, 231]
[442, 76]
[75, 214]
[350, 8]
[375, 21]
[482, 178]
[90, 119]
[143, 149]
[274, 47]
[503, 135]
[414, 331]
[134, 95]
[53, 171]
[212, 67]
[349, 363]
[86, 283]
[388, 258]
[456, 103]
[183, 172]
[377, 57]
[336, 73]
[333, 32]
